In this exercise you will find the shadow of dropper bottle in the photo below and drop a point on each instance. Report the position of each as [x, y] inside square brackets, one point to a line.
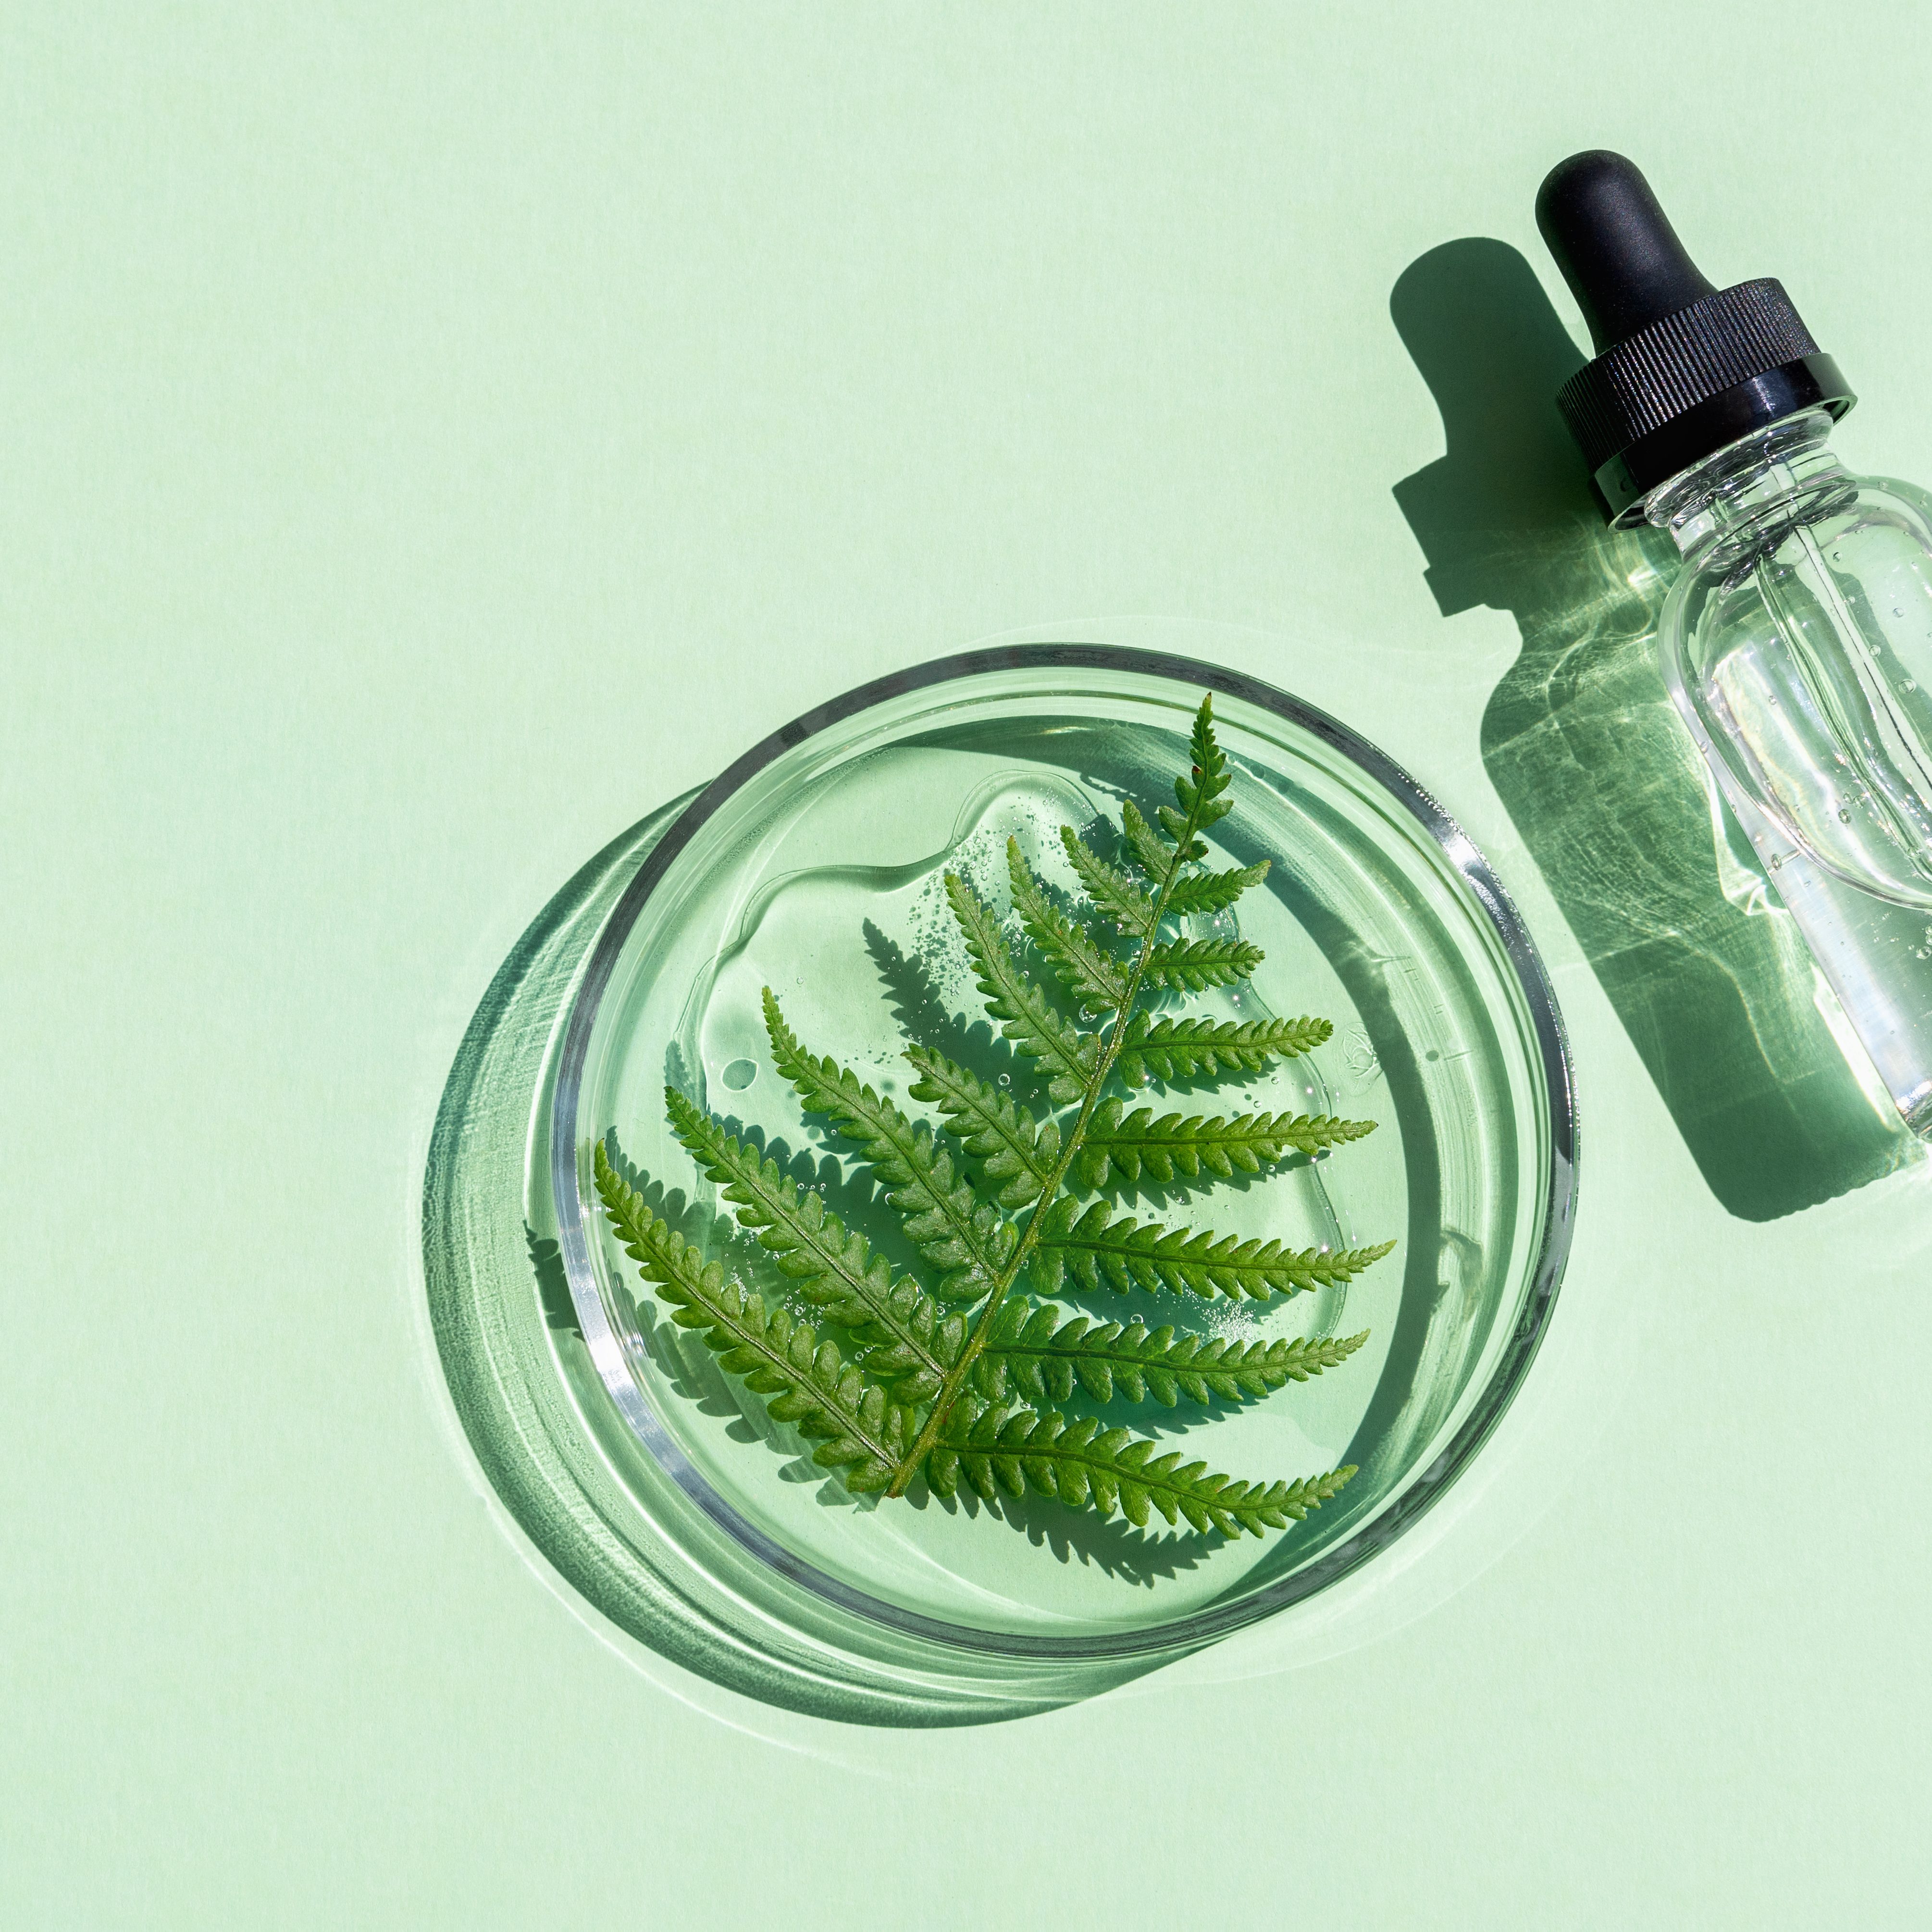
[1695, 955]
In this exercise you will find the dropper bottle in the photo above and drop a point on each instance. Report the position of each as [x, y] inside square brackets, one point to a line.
[1797, 639]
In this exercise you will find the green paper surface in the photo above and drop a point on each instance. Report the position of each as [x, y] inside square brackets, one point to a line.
[433, 439]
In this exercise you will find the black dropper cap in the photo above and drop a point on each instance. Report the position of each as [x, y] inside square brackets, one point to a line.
[1681, 368]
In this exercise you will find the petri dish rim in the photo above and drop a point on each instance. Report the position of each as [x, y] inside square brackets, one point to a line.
[1425, 1487]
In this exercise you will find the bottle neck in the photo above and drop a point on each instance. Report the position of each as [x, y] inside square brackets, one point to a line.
[1741, 494]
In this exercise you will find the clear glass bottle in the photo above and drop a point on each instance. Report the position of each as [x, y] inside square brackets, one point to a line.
[1797, 641]
[1797, 644]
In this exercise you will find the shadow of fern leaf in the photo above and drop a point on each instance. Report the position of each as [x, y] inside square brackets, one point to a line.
[1149, 1417]
[1101, 833]
[715, 1236]
[1115, 1548]
[671, 1205]
[693, 1372]
[844, 1189]
[1186, 1314]
[1229, 1088]
[676, 1073]
[559, 1312]
[832, 1494]
[1149, 1193]
[1111, 1545]
[927, 1022]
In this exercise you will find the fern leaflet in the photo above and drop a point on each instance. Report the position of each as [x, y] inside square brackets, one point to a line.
[1108, 1469]
[1014, 1149]
[1112, 891]
[899, 1324]
[810, 1385]
[1100, 1250]
[1045, 1358]
[1150, 850]
[1070, 1056]
[1214, 891]
[1193, 965]
[1175, 1049]
[1118, 1142]
[1091, 974]
[959, 1234]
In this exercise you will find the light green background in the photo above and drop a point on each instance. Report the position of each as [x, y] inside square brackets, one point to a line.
[429, 440]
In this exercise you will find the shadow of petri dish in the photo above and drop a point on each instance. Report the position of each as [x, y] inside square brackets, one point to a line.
[535, 1413]
[667, 1498]
[1696, 955]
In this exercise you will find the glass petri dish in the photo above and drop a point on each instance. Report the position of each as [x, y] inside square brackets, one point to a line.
[815, 865]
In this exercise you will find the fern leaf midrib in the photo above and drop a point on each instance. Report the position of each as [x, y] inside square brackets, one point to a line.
[949, 1391]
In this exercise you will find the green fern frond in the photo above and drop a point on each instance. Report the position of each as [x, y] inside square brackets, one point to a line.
[1105, 1470]
[1116, 895]
[960, 1235]
[1045, 1358]
[1192, 965]
[902, 1332]
[810, 1385]
[1070, 1057]
[993, 1197]
[1013, 1148]
[1091, 974]
[1182, 1049]
[1117, 1142]
[1099, 1248]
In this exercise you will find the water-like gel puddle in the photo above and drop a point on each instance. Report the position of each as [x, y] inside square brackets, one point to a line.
[822, 878]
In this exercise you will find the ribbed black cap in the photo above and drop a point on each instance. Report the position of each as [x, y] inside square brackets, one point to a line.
[1681, 368]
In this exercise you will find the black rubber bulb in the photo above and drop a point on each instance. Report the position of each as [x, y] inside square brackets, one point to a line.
[1616, 249]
